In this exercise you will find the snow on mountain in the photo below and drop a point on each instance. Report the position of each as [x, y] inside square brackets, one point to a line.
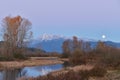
[46, 37]
[53, 43]
[48, 42]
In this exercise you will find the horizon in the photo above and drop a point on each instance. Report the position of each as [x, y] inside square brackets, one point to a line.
[85, 19]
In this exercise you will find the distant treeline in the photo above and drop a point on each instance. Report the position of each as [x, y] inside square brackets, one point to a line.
[80, 52]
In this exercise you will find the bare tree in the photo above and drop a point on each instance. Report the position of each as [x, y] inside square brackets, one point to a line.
[66, 48]
[101, 47]
[75, 43]
[16, 30]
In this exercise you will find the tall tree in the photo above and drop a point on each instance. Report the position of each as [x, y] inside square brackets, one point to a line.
[101, 47]
[66, 48]
[75, 43]
[16, 30]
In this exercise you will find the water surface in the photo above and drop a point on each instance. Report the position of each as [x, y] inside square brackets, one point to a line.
[35, 71]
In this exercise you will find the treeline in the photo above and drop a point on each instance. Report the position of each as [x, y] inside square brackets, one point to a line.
[81, 52]
[28, 52]
[70, 46]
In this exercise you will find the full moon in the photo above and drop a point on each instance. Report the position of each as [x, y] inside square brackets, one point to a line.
[103, 36]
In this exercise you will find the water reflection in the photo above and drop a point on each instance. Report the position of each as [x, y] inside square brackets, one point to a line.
[11, 74]
[40, 70]
[35, 71]
[66, 64]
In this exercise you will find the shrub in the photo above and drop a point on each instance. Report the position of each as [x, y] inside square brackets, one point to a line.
[65, 55]
[111, 60]
[85, 74]
[77, 58]
[19, 56]
[98, 71]
[5, 58]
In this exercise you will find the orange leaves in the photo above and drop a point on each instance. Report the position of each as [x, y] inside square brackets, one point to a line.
[13, 24]
[15, 32]
[13, 21]
[16, 20]
[16, 28]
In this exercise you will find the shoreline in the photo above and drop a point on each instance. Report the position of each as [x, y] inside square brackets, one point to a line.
[30, 62]
[62, 71]
[74, 68]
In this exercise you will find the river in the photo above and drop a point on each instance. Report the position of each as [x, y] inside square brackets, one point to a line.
[35, 71]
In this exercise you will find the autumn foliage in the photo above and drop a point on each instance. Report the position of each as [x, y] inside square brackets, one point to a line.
[16, 30]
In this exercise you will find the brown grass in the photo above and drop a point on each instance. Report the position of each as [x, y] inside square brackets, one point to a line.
[111, 75]
[76, 69]
[29, 62]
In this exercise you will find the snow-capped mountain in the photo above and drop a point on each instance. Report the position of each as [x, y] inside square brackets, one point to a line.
[53, 43]
[48, 42]
[46, 37]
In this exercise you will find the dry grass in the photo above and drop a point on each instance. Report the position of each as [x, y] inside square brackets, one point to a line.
[80, 72]
[111, 75]
[76, 69]
[29, 62]
[44, 58]
[83, 67]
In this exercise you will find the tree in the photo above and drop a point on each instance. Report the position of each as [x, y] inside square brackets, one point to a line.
[16, 30]
[77, 57]
[101, 47]
[75, 43]
[66, 48]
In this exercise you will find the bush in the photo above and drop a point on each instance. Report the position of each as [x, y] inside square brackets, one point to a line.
[65, 55]
[19, 56]
[98, 71]
[5, 58]
[77, 58]
[85, 74]
[111, 60]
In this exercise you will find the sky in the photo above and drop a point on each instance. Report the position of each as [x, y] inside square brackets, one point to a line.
[84, 18]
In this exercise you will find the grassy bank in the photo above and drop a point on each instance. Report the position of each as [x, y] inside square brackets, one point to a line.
[81, 72]
[30, 62]
[69, 73]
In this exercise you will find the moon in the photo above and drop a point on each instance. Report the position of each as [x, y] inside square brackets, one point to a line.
[103, 36]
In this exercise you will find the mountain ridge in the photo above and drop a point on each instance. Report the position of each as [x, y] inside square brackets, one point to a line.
[54, 44]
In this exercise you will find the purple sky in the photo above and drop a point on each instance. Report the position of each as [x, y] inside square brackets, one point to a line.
[84, 18]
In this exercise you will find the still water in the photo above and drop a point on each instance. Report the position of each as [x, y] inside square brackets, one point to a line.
[14, 74]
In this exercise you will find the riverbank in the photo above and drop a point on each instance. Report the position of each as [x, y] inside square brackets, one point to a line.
[75, 68]
[34, 61]
[60, 73]
[110, 75]
[71, 73]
